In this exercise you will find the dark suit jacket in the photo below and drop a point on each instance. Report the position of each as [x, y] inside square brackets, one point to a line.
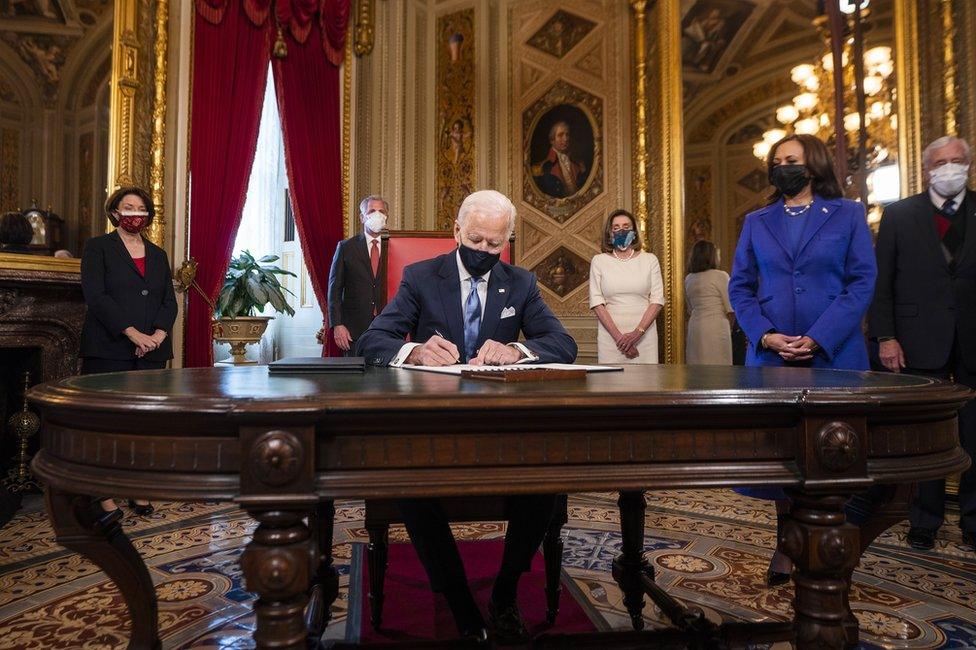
[919, 299]
[429, 299]
[353, 291]
[118, 297]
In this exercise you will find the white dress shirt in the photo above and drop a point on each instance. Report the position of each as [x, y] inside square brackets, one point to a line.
[369, 244]
[465, 278]
[938, 200]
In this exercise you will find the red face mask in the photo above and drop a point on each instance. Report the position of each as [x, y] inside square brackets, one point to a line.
[133, 222]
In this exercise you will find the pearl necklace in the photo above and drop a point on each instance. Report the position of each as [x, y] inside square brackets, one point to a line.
[624, 259]
[797, 213]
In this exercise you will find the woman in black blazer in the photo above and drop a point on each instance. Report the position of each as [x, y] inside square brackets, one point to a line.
[129, 294]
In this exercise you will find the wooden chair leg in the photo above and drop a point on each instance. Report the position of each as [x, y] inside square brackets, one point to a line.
[552, 551]
[376, 559]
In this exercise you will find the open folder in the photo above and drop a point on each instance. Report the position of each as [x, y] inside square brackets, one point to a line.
[458, 368]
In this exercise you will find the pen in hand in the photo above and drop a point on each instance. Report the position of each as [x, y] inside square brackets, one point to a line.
[438, 333]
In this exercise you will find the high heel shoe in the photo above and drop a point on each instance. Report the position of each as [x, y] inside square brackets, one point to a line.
[103, 519]
[141, 509]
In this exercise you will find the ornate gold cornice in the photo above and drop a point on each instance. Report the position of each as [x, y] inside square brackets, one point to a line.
[909, 98]
[20, 262]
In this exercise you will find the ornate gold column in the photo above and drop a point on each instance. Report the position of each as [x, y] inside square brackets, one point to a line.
[909, 99]
[365, 13]
[949, 69]
[127, 82]
[347, 62]
[157, 231]
[659, 145]
[641, 158]
[125, 85]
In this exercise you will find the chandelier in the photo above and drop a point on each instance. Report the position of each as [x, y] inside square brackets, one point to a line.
[811, 111]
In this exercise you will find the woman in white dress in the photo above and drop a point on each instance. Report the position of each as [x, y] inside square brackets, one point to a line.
[626, 294]
[710, 312]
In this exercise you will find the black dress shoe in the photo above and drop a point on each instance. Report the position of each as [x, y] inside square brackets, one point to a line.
[103, 519]
[506, 623]
[141, 509]
[921, 539]
[776, 578]
[476, 634]
[969, 540]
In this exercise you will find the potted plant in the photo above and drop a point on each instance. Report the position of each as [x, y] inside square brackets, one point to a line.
[250, 285]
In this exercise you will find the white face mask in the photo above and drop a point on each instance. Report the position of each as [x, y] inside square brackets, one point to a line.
[949, 179]
[375, 221]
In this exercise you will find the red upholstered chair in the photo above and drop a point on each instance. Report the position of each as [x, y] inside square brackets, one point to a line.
[401, 248]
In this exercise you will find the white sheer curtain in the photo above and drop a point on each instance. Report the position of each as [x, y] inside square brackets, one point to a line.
[263, 215]
[263, 205]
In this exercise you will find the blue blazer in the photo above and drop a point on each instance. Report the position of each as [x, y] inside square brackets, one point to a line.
[429, 299]
[823, 292]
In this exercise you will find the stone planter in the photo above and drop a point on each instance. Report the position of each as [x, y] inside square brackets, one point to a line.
[239, 332]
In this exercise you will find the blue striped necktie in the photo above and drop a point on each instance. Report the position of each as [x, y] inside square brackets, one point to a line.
[472, 319]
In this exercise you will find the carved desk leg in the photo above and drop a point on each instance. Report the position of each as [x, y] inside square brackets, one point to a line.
[276, 567]
[630, 565]
[277, 489]
[112, 552]
[825, 550]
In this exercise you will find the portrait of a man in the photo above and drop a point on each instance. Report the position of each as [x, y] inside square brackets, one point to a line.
[562, 148]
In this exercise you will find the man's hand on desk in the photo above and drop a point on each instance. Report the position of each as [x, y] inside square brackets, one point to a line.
[437, 351]
[493, 353]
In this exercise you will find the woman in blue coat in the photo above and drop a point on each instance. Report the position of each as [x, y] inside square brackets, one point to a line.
[802, 278]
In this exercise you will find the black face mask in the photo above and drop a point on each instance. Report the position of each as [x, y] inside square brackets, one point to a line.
[477, 262]
[789, 179]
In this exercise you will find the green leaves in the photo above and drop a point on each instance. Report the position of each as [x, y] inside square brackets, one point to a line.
[250, 285]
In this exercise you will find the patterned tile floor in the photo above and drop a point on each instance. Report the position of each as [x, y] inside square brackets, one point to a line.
[708, 547]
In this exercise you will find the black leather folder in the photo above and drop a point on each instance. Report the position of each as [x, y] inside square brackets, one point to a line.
[316, 365]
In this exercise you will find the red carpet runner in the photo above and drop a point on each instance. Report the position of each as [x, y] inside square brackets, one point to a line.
[412, 611]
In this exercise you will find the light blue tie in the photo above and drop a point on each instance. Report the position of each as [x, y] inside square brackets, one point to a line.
[472, 320]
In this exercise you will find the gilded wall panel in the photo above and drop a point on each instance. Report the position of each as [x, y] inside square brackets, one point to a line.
[565, 63]
[9, 170]
[86, 172]
[455, 43]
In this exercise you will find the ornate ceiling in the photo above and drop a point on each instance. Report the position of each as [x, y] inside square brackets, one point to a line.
[43, 34]
[737, 55]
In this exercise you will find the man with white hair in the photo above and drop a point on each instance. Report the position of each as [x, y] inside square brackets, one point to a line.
[354, 282]
[924, 309]
[468, 306]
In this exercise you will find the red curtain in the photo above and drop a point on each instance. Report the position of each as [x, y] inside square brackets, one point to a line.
[230, 68]
[232, 46]
[310, 121]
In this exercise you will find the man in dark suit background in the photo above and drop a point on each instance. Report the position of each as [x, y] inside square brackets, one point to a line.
[468, 306]
[924, 310]
[354, 283]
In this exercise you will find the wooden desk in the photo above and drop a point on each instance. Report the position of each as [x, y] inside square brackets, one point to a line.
[287, 447]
